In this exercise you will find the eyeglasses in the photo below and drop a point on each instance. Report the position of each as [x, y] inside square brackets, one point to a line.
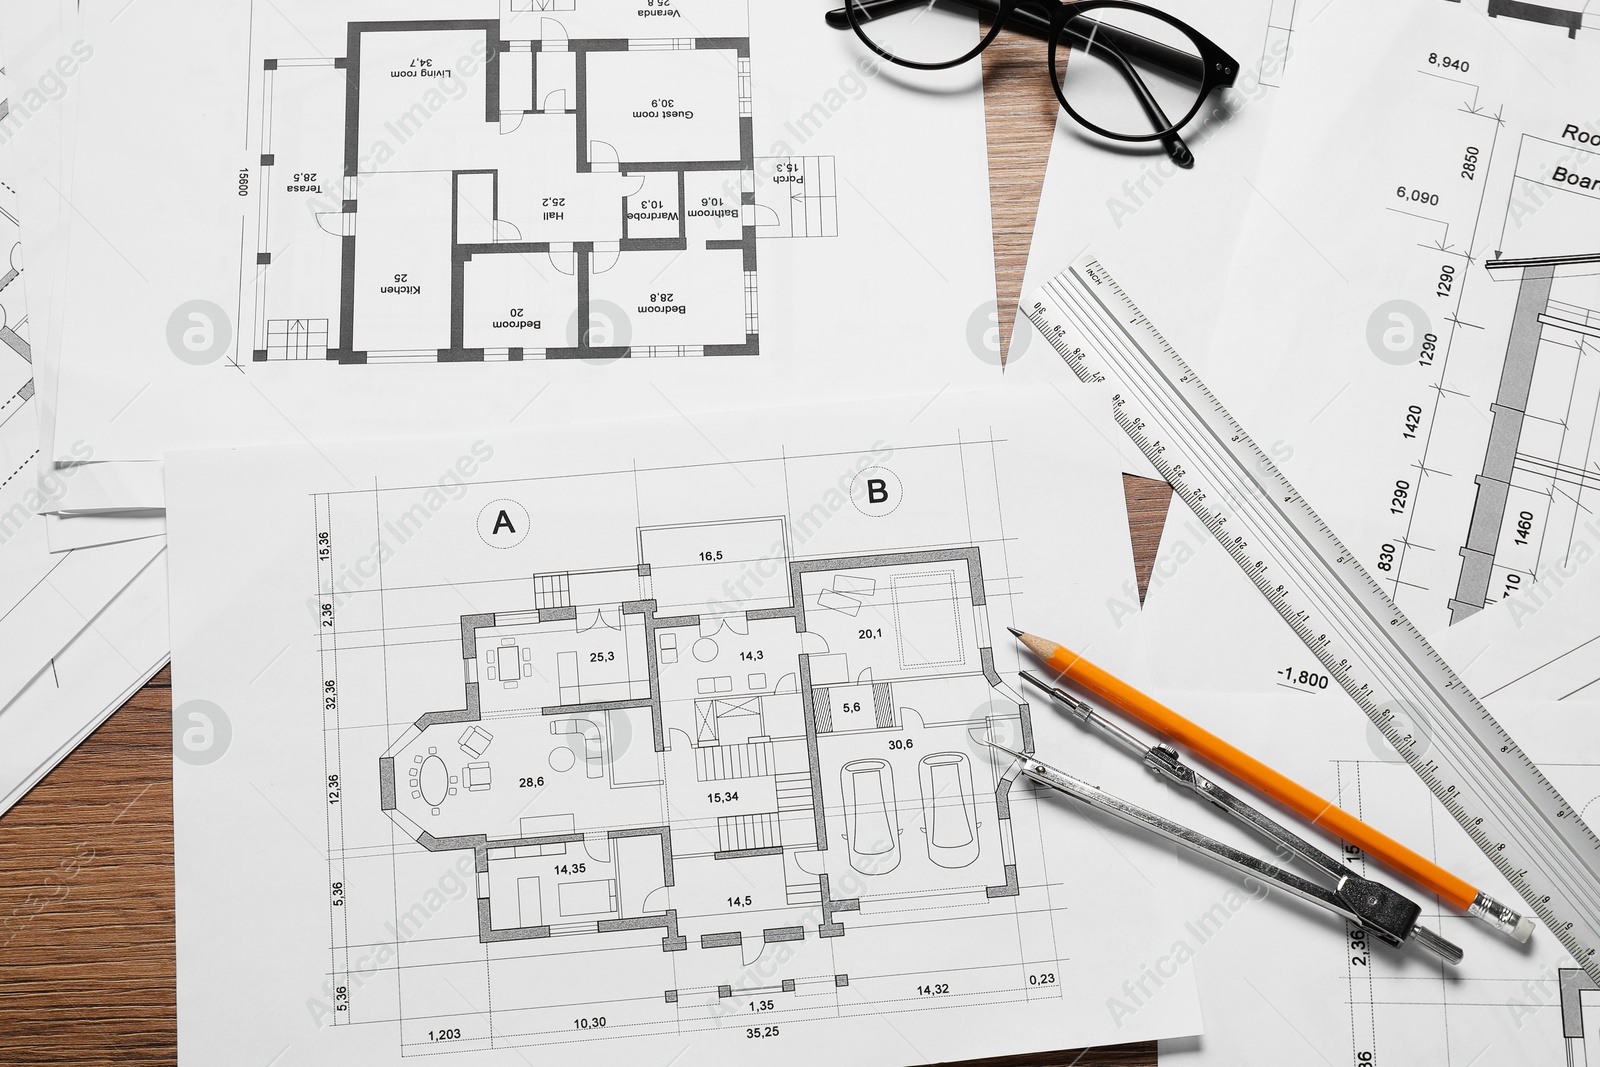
[1121, 69]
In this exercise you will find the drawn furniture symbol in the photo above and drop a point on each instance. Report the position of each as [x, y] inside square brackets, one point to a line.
[475, 741]
[433, 780]
[478, 777]
[594, 751]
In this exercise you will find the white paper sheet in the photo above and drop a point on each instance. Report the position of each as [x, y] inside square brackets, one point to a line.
[1543, 644]
[101, 528]
[1281, 984]
[1173, 230]
[1412, 311]
[46, 598]
[84, 683]
[1274, 977]
[567, 579]
[860, 182]
[42, 48]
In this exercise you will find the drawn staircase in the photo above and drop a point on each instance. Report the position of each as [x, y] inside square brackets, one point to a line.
[807, 891]
[794, 791]
[724, 763]
[738, 833]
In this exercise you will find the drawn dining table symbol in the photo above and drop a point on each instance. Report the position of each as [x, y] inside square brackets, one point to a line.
[434, 781]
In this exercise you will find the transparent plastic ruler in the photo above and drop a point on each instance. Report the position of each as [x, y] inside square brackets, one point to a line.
[1366, 643]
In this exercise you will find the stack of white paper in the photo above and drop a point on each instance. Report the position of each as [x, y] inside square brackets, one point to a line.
[82, 601]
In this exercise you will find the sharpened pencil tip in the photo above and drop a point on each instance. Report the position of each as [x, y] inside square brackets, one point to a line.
[1018, 634]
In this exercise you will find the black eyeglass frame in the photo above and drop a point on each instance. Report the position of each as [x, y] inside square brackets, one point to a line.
[1050, 19]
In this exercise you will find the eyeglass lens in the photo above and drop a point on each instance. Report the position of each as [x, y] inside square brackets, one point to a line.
[921, 32]
[1125, 72]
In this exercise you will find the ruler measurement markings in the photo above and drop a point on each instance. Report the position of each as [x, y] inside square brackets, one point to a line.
[1400, 680]
[1240, 436]
[1502, 772]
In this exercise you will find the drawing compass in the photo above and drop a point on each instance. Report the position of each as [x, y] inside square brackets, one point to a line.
[1386, 914]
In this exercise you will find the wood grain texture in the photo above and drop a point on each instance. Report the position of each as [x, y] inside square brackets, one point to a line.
[1021, 109]
[87, 968]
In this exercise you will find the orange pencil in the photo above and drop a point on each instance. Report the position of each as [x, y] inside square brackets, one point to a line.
[1291, 794]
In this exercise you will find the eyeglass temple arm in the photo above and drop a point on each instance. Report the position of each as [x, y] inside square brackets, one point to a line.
[1037, 24]
[1101, 39]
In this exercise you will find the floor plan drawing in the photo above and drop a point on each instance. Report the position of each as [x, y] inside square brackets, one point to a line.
[719, 766]
[1528, 1008]
[732, 747]
[1580, 1014]
[666, 744]
[563, 182]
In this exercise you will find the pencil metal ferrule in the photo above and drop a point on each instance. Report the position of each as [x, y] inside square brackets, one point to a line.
[1501, 917]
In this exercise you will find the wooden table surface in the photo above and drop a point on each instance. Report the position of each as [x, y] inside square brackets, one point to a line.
[87, 968]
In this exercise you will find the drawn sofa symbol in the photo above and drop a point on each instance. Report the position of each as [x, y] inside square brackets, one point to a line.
[872, 828]
[948, 818]
[593, 750]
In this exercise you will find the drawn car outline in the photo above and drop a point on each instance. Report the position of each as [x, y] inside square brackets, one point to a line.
[872, 825]
[949, 818]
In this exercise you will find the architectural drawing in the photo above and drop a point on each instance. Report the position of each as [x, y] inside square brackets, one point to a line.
[713, 770]
[1569, 15]
[1492, 474]
[1528, 1007]
[1539, 479]
[729, 745]
[567, 181]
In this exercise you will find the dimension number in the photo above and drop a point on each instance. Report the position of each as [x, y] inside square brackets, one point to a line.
[1308, 679]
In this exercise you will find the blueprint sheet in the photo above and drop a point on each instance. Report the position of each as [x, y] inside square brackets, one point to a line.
[1281, 984]
[46, 598]
[43, 52]
[1414, 306]
[80, 629]
[1543, 644]
[665, 747]
[464, 215]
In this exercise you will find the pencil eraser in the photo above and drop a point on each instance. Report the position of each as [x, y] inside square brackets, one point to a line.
[1524, 929]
